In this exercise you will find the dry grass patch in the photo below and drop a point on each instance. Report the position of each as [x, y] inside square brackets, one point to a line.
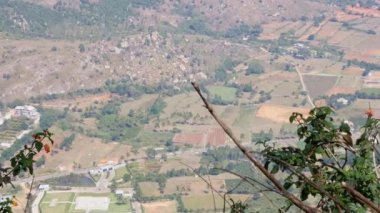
[278, 113]
[187, 158]
[195, 202]
[149, 188]
[314, 82]
[169, 206]
[80, 102]
[141, 103]
[85, 151]
[195, 185]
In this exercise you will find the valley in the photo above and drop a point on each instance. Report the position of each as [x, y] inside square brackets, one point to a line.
[112, 82]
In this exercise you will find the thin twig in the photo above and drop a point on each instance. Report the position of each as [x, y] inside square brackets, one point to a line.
[212, 191]
[247, 179]
[255, 162]
[29, 194]
[310, 182]
[212, 188]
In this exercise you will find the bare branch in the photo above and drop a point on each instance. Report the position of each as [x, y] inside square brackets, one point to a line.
[361, 198]
[247, 180]
[29, 195]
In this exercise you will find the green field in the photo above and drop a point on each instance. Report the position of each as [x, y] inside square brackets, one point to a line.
[120, 172]
[11, 128]
[244, 118]
[153, 138]
[197, 202]
[55, 202]
[370, 91]
[226, 93]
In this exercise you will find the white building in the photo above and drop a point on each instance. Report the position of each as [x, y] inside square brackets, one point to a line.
[119, 192]
[5, 145]
[1, 119]
[26, 111]
[343, 101]
[44, 187]
[101, 170]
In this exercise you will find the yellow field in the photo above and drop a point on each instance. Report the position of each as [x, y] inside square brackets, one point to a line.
[278, 113]
[169, 206]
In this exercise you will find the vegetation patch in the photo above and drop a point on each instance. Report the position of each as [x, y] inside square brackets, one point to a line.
[73, 180]
[223, 93]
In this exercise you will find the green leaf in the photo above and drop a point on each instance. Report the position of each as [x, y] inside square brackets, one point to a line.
[16, 171]
[305, 193]
[275, 169]
[38, 145]
[31, 169]
[287, 185]
[292, 118]
[266, 165]
[13, 162]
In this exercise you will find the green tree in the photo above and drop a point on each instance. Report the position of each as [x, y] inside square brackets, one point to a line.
[157, 107]
[82, 49]
[330, 166]
[255, 67]
[150, 153]
[113, 186]
[220, 74]
[67, 142]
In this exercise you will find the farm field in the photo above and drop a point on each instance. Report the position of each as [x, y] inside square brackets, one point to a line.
[142, 103]
[226, 93]
[179, 162]
[155, 139]
[371, 91]
[69, 202]
[245, 117]
[192, 185]
[149, 188]
[278, 113]
[84, 151]
[314, 82]
[168, 206]
[79, 102]
[197, 202]
[11, 128]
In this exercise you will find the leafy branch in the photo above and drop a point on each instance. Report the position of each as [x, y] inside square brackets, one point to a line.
[24, 161]
[337, 171]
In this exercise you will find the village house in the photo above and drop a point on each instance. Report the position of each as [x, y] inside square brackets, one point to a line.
[342, 101]
[26, 111]
[44, 187]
